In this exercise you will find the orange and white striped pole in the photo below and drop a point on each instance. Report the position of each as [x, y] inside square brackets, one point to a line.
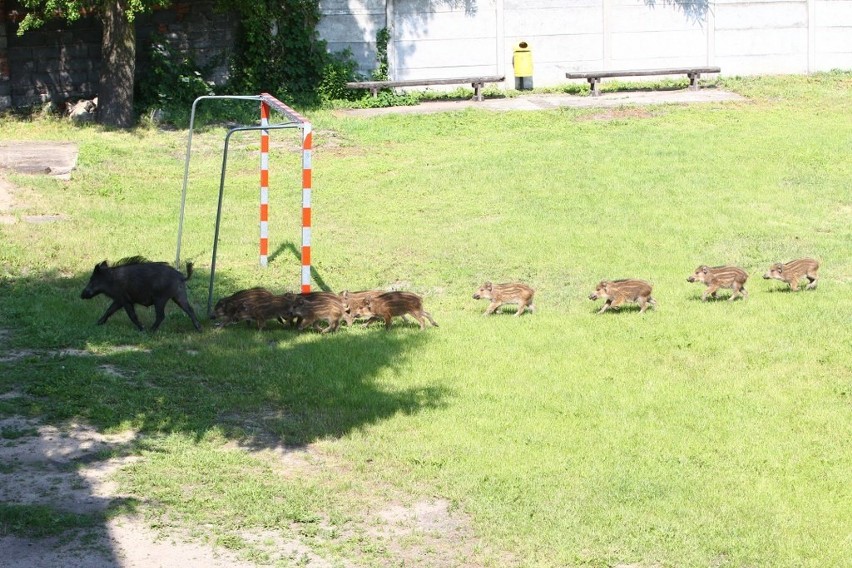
[264, 185]
[307, 141]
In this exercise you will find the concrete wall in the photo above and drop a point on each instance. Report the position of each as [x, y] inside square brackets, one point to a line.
[447, 38]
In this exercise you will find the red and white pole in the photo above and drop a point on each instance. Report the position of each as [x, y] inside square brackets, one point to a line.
[307, 141]
[264, 185]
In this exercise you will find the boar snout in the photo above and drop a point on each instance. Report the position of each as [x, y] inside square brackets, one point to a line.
[593, 296]
[476, 296]
[691, 279]
[767, 276]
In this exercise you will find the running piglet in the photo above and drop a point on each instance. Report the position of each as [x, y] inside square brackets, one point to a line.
[392, 304]
[616, 292]
[716, 277]
[794, 271]
[509, 293]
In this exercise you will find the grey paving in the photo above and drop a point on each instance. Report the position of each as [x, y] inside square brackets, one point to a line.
[547, 102]
[39, 157]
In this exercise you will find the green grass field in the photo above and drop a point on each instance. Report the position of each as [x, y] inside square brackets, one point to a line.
[697, 434]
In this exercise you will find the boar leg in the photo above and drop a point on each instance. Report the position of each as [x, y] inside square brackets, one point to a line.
[735, 291]
[492, 307]
[653, 302]
[388, 319]
[160, 310]
[522, 307]
[794, 285]
[131, 313]
[643, 304]
[181, 301]
[605, 307]
[113, 307]
[429, 317]
[812, 281]
[710, 290]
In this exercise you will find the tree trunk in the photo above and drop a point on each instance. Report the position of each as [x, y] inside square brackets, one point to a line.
[118, 65]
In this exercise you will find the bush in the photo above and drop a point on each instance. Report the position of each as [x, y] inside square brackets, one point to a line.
[172, 83]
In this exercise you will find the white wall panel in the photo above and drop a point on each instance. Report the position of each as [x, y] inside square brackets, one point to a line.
[747, 16]
[530, 23]
[446, 38]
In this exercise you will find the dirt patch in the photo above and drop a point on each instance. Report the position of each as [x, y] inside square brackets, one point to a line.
[39, 157]
[426, 533]
[69, 468]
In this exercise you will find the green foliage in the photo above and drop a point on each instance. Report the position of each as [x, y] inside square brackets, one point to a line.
[339, 69]
[278, 49]
[39, 11]
[380, 73]
[387, 98]
[172, 83]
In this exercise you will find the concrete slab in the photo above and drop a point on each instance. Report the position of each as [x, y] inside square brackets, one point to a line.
[39, 157]
[548, 102]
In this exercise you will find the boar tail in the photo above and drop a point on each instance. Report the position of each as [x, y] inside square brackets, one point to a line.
[188, 271]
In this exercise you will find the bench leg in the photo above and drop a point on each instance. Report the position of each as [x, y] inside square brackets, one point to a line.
[375, 91]
[693, 81]
[477, 91]
[593, 86]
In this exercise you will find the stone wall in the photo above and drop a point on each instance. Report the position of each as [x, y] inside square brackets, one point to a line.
[61, 61]
[5, 83]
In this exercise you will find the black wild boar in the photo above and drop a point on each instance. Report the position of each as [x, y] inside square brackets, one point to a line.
[716, 277]
[511, 293]
[386, 306]
[136, 281]
[616, 292]
[793, 271]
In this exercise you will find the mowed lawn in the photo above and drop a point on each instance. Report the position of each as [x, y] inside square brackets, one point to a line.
[696, 434]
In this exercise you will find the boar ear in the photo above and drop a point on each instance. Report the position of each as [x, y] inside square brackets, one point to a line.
[102, 266]
[704, 269]
[367, 300]
[345, 294]
[488, 286]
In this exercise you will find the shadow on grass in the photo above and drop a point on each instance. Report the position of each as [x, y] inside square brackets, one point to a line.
[628, 308]
[788, 290]
[179, 380]
[262, 389]
[717, 298]
[297, 254]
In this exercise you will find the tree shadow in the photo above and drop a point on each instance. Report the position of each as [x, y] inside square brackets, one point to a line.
[695, 11]
[270, 389]
[297, 254]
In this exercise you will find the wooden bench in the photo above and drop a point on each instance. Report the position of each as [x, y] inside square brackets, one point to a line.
[476, 82]
[594, 77]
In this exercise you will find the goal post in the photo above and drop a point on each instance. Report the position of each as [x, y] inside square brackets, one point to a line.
[293, 120]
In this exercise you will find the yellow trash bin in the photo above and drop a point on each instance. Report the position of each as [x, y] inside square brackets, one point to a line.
[523, 64]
